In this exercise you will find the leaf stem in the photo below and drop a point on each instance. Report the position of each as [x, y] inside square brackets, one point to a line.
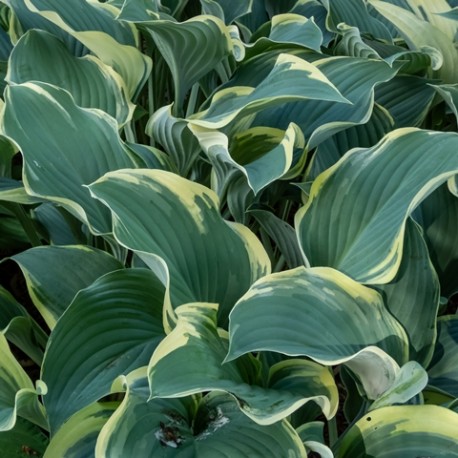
[129, 132]
[190, 109]
[151, 103]
[332, 430]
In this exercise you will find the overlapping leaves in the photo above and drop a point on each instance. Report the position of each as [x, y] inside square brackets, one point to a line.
[325, 129]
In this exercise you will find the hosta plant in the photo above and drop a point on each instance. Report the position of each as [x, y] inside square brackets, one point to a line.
[228, 229]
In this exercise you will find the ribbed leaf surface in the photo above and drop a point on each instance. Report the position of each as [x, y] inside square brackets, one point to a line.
[355, 218]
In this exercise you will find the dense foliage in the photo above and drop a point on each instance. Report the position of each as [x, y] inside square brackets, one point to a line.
[228, 228]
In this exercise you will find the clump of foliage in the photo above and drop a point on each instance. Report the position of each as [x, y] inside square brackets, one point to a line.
[235, 227]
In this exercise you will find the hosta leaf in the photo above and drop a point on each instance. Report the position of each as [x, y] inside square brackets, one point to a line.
[407, 98]
[227, 10]
[7, 150]
[355, 13]
[290, 79]
[110, 328]
[18, 395]
[92, 16]
[410, 431]
[351, 43]
[410, 381]
[19, 328]
[296, 29]
[434, 12]
[215, 439]
[261, 154]
[437, 215]
[355, 78]
[24, 19]
[139, 10]
[91, 83]
[451, 14]
[315, 9]
[413, 295]
[210, 261]
[149, 157]
[61, 227]
[175, 137]
[25, 439]
[282, 234]
[291, 311]
[12, 235]
[77, 437]
[55, 274]
[417, 33]
[14, 191]
[94, 26]
[189, 361]
[191, 49]
[443, 370]
[376, 189]
[162, 427]
[255, 19]
[449, 92]
[141, 428]
[80, 146]
[5, 45]
[363, 135]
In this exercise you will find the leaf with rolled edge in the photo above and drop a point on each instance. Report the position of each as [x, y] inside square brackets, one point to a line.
[110, 328]
[263, 155]
[355, 78]
[413, 295]
[55, 274]
[187, 428]
[77, 437]
[289, 79]
[449, 92]
[410, 381]
[443, 370]
[407, 98]
[24, 436]
[191, 49]
[322, 314]
[437, 215]
[189, 361]
[91, 83]
[177, 220]
[355, 13]
[351, 43]
[364, 135]
[79, 147]
[113, 42]
[18, 396]
[175, 137]
[410, 431]
[418, 32]
[376, 189]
